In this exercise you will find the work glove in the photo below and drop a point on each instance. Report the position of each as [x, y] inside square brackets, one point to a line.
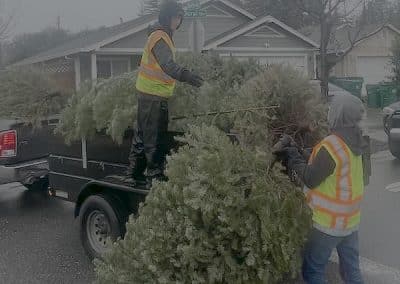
[192, 79]
[292, 157]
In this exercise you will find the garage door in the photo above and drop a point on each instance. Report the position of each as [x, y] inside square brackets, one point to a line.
[297, 62]
[373, 69]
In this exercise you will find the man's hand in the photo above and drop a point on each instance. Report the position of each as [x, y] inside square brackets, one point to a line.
[192, 79]
[293, 157]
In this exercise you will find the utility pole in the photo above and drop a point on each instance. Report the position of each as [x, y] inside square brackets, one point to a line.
[59, 22]
[195, 12]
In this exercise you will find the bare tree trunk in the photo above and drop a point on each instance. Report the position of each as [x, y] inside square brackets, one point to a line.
[324, 68]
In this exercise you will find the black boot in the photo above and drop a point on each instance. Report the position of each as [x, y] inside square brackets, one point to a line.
[151, 179]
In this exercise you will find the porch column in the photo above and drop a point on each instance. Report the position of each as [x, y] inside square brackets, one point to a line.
[93, 60]
[315, 66]
[77, 67]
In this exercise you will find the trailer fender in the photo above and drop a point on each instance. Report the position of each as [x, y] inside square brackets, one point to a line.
[99, 187]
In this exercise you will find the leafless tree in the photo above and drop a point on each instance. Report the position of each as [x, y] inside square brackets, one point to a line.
[6, 21]
[331, 14]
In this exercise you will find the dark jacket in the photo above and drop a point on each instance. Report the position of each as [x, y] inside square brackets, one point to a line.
[164, 56]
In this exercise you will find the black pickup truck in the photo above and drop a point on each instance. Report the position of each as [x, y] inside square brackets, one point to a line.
[80, 173]
[24, 150]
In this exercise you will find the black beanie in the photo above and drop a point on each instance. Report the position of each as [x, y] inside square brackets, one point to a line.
[168, 10]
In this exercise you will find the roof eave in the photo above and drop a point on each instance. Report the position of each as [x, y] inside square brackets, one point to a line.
[35, 60]
[214, 44]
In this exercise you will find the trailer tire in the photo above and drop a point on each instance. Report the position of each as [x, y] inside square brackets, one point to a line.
[102, 222]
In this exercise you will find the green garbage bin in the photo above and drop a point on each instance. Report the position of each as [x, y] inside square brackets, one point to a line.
[351, 84]
[382, 95]
[389, 93]
[374, 96]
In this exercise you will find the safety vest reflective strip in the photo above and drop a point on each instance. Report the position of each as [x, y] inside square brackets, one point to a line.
[151, 78]
[151, 74]
[339, 203]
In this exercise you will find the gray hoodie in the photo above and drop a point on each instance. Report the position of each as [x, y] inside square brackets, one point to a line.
[344, 117]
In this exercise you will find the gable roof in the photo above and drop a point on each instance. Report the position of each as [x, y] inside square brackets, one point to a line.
[240, 30]
[95, 39]
[340, 41]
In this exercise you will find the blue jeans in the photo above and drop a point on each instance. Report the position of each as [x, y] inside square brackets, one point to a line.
[318, 251]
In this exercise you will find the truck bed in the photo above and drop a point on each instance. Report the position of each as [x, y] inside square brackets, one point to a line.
[67, 175]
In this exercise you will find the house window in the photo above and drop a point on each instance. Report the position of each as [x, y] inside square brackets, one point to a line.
[109, 67]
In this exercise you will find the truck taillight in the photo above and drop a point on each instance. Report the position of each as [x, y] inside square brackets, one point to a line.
[8, 144]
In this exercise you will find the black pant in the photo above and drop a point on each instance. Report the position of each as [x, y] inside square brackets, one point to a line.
[149, 147]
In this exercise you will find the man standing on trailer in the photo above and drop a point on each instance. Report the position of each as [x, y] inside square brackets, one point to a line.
[156, 81]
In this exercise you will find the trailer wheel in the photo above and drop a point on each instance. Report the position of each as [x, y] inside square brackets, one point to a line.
[102, 223]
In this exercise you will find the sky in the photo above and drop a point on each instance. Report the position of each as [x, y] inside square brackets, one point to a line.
[75, 15]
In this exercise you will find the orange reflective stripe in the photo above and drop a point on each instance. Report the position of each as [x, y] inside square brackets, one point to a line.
[349, 181]
[336, 214]
[151, 67]
[330, 199]
[149, 74]
[156, 36]
[339, 166]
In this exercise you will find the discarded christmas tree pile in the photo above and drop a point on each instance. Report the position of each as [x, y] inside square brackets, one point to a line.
[229, 85]
[221, 218]
[111, 103]
[301, 113]
[29, 94]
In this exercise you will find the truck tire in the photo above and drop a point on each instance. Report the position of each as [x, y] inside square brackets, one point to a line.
[102, 222]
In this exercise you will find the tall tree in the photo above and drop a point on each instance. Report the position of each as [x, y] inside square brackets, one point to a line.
[6, 21]
[284, 10]
[148, 7]
[395, 61]
[26, 45]
[330, 14]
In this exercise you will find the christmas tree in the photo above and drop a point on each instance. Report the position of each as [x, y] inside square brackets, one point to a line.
[30, 94]
[221, 218]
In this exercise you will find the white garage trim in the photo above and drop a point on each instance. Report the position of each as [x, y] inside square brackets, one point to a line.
[264, 54]
[261, 54]
[264, 49]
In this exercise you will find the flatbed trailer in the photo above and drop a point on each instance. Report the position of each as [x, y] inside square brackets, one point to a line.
[80, 172]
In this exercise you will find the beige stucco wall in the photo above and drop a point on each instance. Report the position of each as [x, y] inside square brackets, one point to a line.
[377, 45]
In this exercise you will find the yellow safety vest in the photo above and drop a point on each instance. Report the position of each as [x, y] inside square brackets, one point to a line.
[336, 202]
[151, 78]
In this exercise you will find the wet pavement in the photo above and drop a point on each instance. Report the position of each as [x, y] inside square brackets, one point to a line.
[39, 240]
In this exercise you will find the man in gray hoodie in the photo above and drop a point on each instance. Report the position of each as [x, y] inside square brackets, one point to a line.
[334, 188]
[156, 81]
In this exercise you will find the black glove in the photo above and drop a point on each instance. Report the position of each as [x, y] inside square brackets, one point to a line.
[192, 79]
[293, 157]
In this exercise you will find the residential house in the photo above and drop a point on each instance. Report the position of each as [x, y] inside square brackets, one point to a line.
[226, 29]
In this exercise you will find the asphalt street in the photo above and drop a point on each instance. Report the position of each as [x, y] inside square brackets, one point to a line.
[39, 240]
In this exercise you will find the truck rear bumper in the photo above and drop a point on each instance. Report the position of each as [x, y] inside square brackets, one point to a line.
[25, 173]
[394, 141]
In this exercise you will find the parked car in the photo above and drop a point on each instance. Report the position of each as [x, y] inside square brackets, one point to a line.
[391, 124]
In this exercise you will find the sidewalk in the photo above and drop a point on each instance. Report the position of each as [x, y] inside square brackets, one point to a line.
[373, 273]
[374, 125]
